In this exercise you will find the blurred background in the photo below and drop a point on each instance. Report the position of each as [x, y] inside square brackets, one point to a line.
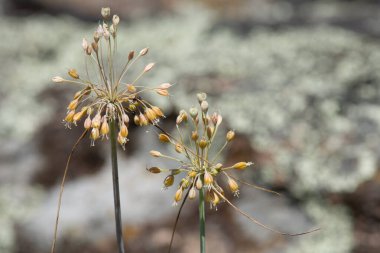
[298, 80]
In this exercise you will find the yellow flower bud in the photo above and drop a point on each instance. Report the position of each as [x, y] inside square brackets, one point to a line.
[241, 165]
[150, 114]
[143, 120]
[208, 179]
[73, 73]
[157, 111]
[79, 115]
[73, 104]
[104, 130]
[96, 121]
[178, 195]
[124, 130]
[136, 119]
[234, 187]
[230, 135]
[178, 148]
[95, 133]
[70, 116]
[215, 199]
[155, 153]
[192, 173]
[163, 138]
[131, 88]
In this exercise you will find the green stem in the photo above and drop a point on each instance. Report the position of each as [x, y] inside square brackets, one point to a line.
[202, 223]
[116, 193]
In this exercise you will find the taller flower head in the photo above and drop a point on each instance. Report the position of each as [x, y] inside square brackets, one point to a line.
[107, 97]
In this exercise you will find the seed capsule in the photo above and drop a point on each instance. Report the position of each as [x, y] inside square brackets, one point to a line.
[154, 170]
[168, 181]
[163, 138]
[230, 135]
[94, 46]
[192, 193]
[73, 73]
[241, 165]
[155, 153]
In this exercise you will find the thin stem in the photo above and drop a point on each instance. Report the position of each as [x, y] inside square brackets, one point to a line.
[202, 221]
[116, 194]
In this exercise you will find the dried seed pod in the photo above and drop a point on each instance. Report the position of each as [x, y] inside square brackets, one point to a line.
[154, 170]
[181, 117]
[164, 138]
[230, 135]
[94, 46]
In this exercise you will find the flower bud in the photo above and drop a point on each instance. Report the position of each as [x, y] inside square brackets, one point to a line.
[202, 143]
[210, 131]
[125, 118]
[150, 114]
[95, 134]
[143, 120]
[58, 79]
[79, 115]
[204, 106]
[230, 135]
[154, 170]
[199, 184]
[193, 112]
[241, 165]
[178, 148]
[163, 138]
[87, 123]
[185, 183]
[123, 130]
[155, 153]
[178, 195]
[115, 20]
[106, 12]
[144, 51]
[162, 92]
[104, 130]
[121, 140]
[131, 55]
[192, 193]
[215, 199]
[73, 104]
[234, 187]
[181, 117]
[136, 119]
[70, 116]
[201, 97]
[165, 86]
[194, 135]
[148, 67]
[157, 111]
[208, 179]
[89, 49]
[168, 181]
[73, 73]
[95, 46]
[96, 121]
[131, 88]
[84, 44]
[192, 173]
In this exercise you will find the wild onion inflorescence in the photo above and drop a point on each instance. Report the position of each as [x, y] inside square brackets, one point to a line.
[198, 164]
[106, 102]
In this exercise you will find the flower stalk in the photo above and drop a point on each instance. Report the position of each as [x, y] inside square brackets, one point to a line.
[116, 192]
[202, 222]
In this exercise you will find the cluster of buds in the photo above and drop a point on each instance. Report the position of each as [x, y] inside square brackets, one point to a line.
[197, 161]
[108, 98]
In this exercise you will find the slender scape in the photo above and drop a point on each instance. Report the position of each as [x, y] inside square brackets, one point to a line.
[116, 193]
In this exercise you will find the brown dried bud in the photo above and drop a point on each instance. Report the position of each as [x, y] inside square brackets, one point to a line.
[163, 138]
[73, 73]
[168, 181]
[154, 170]
[230, 135]
[131, 55]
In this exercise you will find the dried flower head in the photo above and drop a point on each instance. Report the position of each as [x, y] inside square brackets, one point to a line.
[107, 97]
